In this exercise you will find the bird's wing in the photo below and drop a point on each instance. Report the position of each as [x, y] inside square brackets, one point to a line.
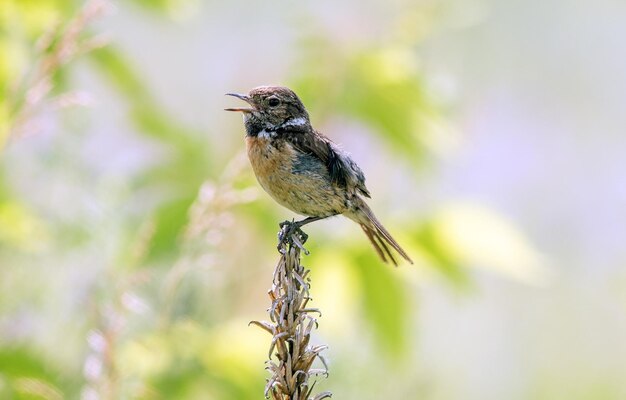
[342, 169]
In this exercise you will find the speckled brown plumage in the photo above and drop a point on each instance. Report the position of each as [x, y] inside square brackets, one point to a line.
[275, 165]
[303, 170]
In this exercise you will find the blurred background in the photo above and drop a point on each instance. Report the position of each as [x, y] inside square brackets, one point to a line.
[136, 245]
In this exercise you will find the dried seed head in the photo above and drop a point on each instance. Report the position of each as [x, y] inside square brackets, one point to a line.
[291, 325]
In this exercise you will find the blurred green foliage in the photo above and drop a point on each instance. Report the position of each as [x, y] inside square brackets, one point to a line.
[186, 168]
[379, 86]
[385, 304]
[160, 308]
[25, 375]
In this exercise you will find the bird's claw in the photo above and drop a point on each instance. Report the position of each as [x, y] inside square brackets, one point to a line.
[291, 234]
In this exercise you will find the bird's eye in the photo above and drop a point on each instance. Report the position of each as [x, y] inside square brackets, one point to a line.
[273, 102]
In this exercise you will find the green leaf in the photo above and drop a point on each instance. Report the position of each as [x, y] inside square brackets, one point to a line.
[384, 303]
[119, 72]
[24, 369]
[170, 220]
[441, 257]
[472, 235]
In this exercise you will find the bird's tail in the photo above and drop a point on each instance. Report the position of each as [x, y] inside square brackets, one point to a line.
[375, 231]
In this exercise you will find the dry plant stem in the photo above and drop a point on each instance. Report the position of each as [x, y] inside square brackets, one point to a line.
[291, 322]
[57, 47]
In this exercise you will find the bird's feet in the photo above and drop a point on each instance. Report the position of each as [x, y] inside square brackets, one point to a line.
[291, 234]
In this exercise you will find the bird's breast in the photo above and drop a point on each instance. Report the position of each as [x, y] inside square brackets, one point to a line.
[267, 158]
[295, 180]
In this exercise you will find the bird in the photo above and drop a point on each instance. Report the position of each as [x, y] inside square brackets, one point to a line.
[303, 170]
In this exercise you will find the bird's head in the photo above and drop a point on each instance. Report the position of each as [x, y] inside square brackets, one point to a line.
[270, 108]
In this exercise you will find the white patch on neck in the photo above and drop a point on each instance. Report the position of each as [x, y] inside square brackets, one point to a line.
[266, 135]
[295, 122]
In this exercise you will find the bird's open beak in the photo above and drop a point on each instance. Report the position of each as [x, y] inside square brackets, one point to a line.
[243, 97]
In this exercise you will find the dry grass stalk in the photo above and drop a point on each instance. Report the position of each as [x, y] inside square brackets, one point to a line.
[291, 354]
[60, 44]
